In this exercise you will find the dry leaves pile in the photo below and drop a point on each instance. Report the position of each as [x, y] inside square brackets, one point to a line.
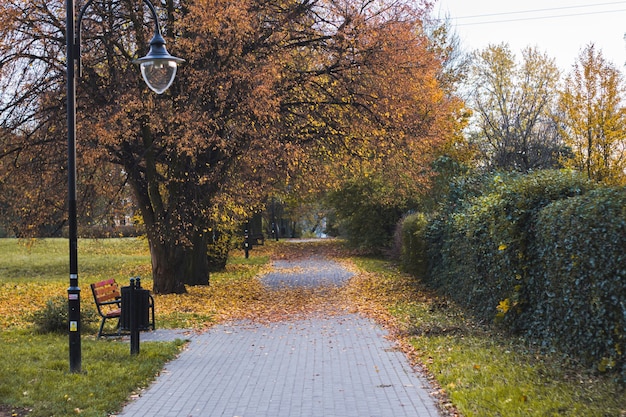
[19, 299]
[248, 299]
[238, 293]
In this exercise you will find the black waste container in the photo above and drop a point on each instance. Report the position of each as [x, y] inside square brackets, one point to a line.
[141, 305]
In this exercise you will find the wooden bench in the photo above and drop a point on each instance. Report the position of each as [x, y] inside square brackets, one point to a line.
[108, 299]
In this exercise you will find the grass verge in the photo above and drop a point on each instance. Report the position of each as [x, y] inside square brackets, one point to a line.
[35, 375]
[482, 372]
[34, 368]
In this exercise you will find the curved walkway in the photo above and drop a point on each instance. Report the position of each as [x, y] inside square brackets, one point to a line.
[336, 366]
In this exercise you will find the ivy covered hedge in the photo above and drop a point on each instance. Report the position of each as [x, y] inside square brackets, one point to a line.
[576, 293]
[542, 254]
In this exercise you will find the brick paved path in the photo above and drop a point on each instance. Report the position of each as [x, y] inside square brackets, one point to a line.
[336, 366]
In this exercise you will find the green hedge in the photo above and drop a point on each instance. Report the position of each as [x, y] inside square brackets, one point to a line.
[541, 253]
[576, 295]
[479, 253]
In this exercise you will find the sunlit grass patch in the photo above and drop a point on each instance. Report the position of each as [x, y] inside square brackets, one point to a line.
[48, 259]
[486, 375]
[33, 271]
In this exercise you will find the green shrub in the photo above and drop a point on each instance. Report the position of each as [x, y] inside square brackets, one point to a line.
[479, 253]
[542, 254]
[53, 316]
[576, 296]
[365, 219]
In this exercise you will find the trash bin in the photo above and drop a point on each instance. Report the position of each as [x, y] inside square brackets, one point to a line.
[141, 304]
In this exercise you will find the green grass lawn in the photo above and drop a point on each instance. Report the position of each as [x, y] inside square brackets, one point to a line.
[35, 374]
[34, 368]
[48, 259]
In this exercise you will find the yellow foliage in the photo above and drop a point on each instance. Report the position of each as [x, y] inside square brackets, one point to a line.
[19, 299]
[503, 307]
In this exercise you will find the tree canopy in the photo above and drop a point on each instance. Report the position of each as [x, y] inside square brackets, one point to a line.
[301, 93]
[514, 103]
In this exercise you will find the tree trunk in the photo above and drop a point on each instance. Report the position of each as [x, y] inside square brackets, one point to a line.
[167, 266]
[175, 265]
[196, 263]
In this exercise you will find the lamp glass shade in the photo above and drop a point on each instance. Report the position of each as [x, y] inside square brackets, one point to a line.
[158, 73]
[158, 68]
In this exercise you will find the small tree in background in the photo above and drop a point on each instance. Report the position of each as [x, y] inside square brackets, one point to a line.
[593, 118]
[513, 105]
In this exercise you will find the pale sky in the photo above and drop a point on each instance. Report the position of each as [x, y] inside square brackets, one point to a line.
[560, 28]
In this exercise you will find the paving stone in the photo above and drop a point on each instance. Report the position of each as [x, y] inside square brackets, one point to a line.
[335, 366]
[306, 273]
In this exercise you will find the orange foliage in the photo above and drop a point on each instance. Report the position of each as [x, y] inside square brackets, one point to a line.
[272, 94]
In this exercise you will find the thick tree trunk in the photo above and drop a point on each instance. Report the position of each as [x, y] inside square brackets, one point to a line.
[175, 265]
[167, 267]
[196, 263]
[179, 256]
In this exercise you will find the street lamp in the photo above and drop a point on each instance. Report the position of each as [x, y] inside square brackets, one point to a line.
[158, 69]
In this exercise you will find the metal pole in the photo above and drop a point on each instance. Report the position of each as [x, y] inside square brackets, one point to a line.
[274, 225]
[72, 42]
[246, 243]
[134, 326]
[73, 291]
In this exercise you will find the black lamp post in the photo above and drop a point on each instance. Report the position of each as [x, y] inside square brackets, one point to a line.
[158, 69]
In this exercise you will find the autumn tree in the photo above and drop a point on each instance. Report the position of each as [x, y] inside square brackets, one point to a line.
[594, 120]
[33, 149]
[513, 105]
[395, 176]
[272, 92]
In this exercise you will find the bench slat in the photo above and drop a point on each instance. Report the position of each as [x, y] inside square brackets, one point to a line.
[105, 283]
[106, 296]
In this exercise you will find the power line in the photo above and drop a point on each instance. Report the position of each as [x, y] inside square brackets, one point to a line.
[552, 16]
[539, 17]
[541, 10]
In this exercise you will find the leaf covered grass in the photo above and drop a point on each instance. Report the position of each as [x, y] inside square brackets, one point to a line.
[34, 368]
[476, 370]
[32, 272]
